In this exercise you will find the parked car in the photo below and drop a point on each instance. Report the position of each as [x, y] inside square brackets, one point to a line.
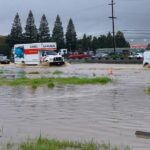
[78, 56]
[136, 55]
[4, 59]
[100, 55]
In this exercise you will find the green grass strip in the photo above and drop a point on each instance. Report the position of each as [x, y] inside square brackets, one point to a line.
[50, 82]
[148, 90]
[53, 144]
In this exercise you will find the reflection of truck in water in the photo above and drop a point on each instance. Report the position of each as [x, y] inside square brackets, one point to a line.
[36, 53]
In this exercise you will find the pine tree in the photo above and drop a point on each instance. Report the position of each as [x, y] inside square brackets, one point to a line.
[109, 40]
[58, 34]
[44, 32]
[95, 43]
[102, 41]
[71, 38]
[120, 40]
[15, 36]
[30, 34]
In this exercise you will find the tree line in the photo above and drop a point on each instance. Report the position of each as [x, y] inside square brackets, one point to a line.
[69, 40]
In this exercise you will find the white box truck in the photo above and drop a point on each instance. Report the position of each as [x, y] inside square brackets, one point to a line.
[146, 58]
[36, 53]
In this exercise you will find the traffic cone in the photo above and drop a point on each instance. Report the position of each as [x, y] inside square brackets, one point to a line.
[110, 72]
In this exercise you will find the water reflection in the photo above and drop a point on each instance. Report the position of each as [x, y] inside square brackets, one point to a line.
[12, 74]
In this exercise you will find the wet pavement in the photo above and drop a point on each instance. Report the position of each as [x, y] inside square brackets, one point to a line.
[109, 113]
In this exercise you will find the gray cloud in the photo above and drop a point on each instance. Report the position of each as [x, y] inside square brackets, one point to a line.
[89, 16]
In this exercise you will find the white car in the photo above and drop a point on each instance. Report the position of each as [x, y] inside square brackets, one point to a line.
[100, 55]
[137, 55]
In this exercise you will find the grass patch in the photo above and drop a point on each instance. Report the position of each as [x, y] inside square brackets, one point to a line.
[147, 90]
[1, 71]
[50, 85]
[9, 145]
[57, 72]
[53, 144]
[50, 82]
[34, 72]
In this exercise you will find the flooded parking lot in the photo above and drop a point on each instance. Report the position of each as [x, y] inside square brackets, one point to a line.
[103, 113]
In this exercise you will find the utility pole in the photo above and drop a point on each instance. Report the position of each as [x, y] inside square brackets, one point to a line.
[113, 25]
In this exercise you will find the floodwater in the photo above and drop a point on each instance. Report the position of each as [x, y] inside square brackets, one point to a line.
[104, 113]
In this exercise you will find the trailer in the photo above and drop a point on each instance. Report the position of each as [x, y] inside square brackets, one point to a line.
[36, 53]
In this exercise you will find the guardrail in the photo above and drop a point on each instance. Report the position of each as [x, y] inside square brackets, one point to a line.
[108, 60]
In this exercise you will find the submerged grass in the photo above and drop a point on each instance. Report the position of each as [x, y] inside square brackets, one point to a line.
[54, 144]
[148, 90]
[57, 72]
[34, 72]
[50, 82]
[1, 71]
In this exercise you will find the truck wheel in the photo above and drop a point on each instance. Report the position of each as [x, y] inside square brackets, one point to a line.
[146, 65]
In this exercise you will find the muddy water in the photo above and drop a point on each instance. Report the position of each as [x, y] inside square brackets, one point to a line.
[109, 113]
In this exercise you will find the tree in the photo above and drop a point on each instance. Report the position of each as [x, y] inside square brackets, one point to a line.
[15, 36]
[120, 40]
[95, 43]
[109, 40]
[58, 34]
[71, 39]
[30, 34]
[102, 41]
[44, 32]
[84, 42]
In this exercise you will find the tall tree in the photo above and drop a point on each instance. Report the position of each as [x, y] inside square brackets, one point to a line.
[30, 34]
[58, 34]
[15, 36]
[44, 32]
[71, 38]
[120, 40]
[109, 40]
[102, 41]
[95, 43]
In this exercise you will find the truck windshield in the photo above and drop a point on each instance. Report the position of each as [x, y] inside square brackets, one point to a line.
[44, 53]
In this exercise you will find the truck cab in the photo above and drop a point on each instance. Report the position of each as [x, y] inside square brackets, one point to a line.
[52, 57]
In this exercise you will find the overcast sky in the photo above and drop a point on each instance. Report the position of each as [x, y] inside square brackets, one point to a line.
[89, 16]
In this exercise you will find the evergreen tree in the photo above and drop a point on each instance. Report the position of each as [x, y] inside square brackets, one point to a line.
[95, 43]
[86, 42]
[30, 34]
[71, 38]
[102, 41]
[58, 34]
[15, 36]
[109, 41]
[120, 40]
[44, 32]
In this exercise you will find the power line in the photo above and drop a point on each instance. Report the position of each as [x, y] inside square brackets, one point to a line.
[138, 33]
[136, 30]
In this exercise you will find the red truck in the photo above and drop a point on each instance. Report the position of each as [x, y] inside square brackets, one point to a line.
[78, 56]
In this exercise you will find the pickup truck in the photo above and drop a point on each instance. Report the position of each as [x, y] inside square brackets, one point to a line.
[78, 56]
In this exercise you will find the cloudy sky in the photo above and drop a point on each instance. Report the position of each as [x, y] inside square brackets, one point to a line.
[89, 16]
